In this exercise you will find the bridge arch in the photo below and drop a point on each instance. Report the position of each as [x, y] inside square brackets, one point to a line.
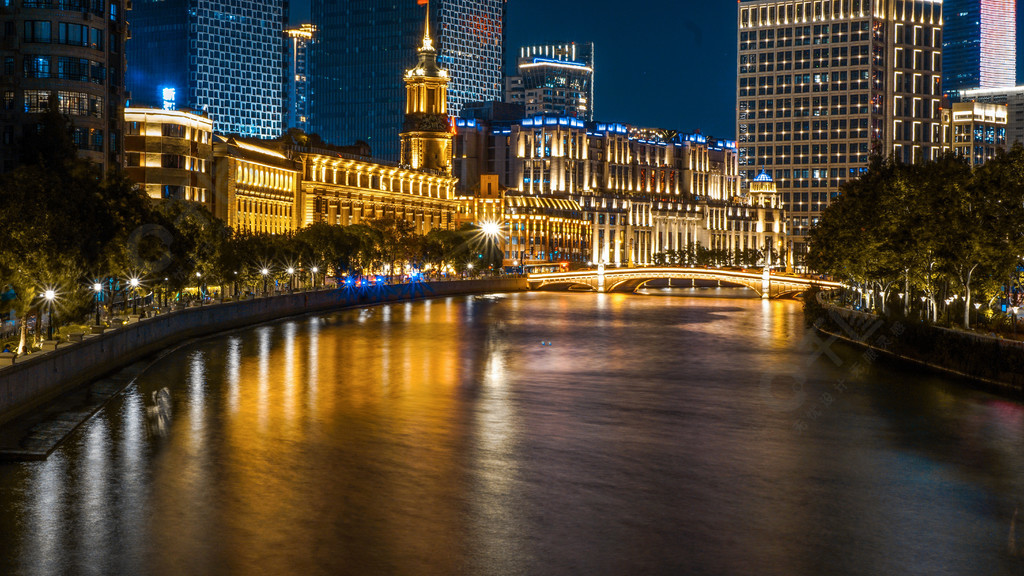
[631, 279]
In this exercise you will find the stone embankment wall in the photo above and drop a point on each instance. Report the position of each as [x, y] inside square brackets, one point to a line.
[41, 377]
[993, 363]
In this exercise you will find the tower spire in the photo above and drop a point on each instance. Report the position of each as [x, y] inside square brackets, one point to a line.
[428, 42]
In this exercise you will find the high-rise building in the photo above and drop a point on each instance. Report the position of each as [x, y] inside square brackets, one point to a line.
[554, 79]
[296, 78]
[364, 47]
[1013, 98]
[71, 50]
[979, 48]
[823, 84]
[222, 57]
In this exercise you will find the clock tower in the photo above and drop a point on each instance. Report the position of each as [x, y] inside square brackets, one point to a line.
[426, 134]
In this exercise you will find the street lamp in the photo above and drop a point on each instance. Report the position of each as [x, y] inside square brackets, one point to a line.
[264, 272]
[97, 289]
[134, 283]
[199, 287]
[977, 311]
[313, 272]
[50, 295]
[291, 279]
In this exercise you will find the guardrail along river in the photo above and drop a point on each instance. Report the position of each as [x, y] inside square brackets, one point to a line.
[536, 433]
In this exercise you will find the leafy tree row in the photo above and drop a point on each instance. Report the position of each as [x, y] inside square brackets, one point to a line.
[932, 232]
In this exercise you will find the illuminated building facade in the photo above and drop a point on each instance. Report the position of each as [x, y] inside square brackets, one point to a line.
[545, 230]
[296, 79]
[223, 57]
[554, 79]
[974, 131]
[823, 83]
[73, 50]
[364, 47]
[1013, 98]
[980, 45]
[339, 188]
[256, 186]
[169, 153]
[641, 192]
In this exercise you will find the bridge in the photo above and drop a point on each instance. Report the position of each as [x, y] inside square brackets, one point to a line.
[766, 283]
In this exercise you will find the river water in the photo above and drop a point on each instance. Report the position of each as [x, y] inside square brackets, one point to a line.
[677, 432]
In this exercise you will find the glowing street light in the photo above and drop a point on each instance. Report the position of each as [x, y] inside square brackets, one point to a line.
[291, 279]
[134, 283]
[50, 295]
[313, 272]
[492, 229]
[265, 272]
[97, 289]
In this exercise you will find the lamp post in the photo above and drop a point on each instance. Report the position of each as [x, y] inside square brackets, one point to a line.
[97, 289]
[134, 283]
[265, 272]
[923, 300]
[291, 280]
[313, 272]
[49, 295]
[199, 287]
[977, 312]
[1015, 309]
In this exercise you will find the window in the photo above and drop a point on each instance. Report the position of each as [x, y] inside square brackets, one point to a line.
[72, 34]
[37, 31]
[37, 66]
[133, 159]
[172, 161]
[132, 128]
[173, 131]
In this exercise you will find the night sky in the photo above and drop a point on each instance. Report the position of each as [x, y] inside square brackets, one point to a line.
[659, 63]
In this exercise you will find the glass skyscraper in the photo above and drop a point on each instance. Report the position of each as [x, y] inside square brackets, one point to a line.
[979, 45]
[222, 57]
[364, 47]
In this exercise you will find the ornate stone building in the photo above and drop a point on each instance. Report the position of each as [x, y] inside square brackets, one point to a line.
[641, 192]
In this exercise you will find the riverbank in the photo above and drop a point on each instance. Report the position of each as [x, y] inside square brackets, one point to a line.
[41, 378]
[992, 363]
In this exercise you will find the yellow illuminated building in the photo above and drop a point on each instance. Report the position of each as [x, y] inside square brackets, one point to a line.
[256, 187]
[169, 153]
[339, 188]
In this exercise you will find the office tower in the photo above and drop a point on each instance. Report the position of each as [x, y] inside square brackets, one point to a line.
[364, 47]
[222, 57]
[823, 84]
[75, 52]
[296, 78]
[1013, 98]
[554, 79]
[979, 48]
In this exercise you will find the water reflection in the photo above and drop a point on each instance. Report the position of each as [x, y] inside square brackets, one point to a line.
[444, 438]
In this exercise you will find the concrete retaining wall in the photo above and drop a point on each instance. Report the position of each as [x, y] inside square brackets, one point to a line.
[41, 377]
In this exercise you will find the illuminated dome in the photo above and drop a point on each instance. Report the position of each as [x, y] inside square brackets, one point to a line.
[763, 177]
